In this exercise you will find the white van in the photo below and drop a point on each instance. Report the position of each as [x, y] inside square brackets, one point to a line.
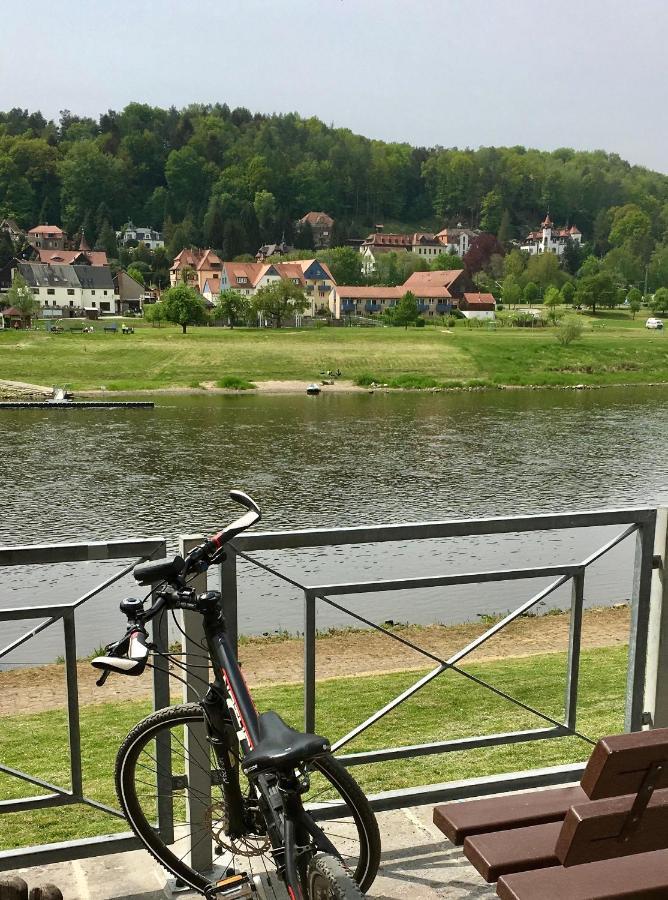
[654, 323]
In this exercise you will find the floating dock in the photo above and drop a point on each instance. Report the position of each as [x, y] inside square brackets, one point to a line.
[76, 404]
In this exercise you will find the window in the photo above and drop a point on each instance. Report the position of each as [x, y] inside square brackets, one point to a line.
[72, 301]
[105, 306]
[70, 291]
[51, 291]
[105, 293]
[93, 304]
[92, 292]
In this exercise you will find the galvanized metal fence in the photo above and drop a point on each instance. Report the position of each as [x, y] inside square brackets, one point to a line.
[647, 681]
[50, 615]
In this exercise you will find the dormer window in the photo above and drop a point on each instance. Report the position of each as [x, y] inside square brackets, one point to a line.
[295, 281]
[242, 279]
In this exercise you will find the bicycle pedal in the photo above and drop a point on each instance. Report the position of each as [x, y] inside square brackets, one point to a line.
[233, 887]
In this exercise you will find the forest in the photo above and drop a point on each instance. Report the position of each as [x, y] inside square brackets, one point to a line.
[232, 179]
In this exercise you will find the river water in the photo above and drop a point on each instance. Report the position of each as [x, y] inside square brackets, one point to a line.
[332, 460]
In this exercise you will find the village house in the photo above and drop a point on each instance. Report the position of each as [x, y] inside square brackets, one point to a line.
[477, 306]
[195, 267]
[550, 239]
[321, 226]
[46, 237]
[311, 275]
[267, 250]
[456, 240]
[11, 228]
[69, 290]
[128, 294]
[422, 243]
[140, 234]
[437, 294]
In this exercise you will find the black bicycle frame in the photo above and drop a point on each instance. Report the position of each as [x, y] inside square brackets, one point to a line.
[288, 824]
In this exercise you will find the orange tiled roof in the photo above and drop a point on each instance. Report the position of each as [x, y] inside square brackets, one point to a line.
[46, 229]
[68, 257]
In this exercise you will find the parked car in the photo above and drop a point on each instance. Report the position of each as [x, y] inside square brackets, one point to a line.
[654, 323]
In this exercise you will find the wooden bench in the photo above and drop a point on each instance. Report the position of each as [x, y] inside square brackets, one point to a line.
[75, 328]
[569, 841]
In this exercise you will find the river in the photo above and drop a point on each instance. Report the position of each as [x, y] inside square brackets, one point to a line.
[337, 460]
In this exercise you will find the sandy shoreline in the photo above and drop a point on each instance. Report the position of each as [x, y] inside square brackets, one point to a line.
[339, 655]
[25, 390]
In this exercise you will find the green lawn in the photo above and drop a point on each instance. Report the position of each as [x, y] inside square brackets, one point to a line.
[450, 707]
[614, 349]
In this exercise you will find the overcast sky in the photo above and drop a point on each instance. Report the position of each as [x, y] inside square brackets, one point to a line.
[586, 73]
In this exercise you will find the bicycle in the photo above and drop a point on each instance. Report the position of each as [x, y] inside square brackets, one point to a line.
[272, 803]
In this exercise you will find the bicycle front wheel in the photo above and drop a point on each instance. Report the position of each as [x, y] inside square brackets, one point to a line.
[167, 771]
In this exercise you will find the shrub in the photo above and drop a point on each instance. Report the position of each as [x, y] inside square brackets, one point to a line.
[568, 330]
[233, 382]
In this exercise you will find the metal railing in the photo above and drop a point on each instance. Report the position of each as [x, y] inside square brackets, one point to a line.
[51, 614]
[647, 678]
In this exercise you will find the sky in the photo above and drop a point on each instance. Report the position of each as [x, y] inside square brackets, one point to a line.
[587, 74]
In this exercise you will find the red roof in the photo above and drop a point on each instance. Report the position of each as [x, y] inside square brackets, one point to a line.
[480, 301]
[421, 281]
[317, 218]
[68, 257]
[46, 229]
[366, 292]
[12, 311]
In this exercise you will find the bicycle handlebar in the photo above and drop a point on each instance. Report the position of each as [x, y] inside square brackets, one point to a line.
[130, 655]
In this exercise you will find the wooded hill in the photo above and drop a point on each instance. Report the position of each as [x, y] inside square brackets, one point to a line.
[231, 179]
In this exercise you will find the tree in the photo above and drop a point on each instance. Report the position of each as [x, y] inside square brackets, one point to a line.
[552, 300]
[406, 311]
[481, 250]
[446, 261]
[279, 299]
[265, 210]
[514, 263]
[659, 302]
[491, 212]
[21, 297]
[136, 273]
[304, 237]
[155, 313]
[345, 264]
[635, 301]
[568, 292]
[183, 306]
[530, 292]
[571, 258]
[106, 240]
[232, 306]
[510, 291]
[596, 290]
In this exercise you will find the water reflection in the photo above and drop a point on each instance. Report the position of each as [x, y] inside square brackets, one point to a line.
[333, 460]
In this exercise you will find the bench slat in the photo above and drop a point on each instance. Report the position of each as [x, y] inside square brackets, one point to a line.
[517, 850]
[640, 877]
[591, 830]
[458, 820]
[618, 764]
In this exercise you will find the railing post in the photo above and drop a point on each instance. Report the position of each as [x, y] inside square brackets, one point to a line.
[198, 793]
[161, 698]
[640, 608]
[228, 587]
[656, 680]
[574, 647]
[73, 725]
[309, 661]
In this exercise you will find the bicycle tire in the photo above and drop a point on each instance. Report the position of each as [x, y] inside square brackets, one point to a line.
[328, 879]
[130, 775]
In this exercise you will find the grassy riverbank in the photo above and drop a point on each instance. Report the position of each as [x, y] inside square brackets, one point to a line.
[613, 350]
[449, 707]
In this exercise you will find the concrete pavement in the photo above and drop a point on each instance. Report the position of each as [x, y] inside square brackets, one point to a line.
[417, 862]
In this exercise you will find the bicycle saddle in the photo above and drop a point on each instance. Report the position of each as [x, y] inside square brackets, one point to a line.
[282, 747]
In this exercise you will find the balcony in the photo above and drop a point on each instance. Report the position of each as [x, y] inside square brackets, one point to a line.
[372, 307]
[443, 307]
[348, 306]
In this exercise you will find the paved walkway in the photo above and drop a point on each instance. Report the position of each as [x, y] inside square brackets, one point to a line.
[417, 862]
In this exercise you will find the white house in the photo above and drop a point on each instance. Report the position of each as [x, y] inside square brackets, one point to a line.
[71, 289]
[311, 275]
[142, 234]
[421, 243]
[550, 239]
